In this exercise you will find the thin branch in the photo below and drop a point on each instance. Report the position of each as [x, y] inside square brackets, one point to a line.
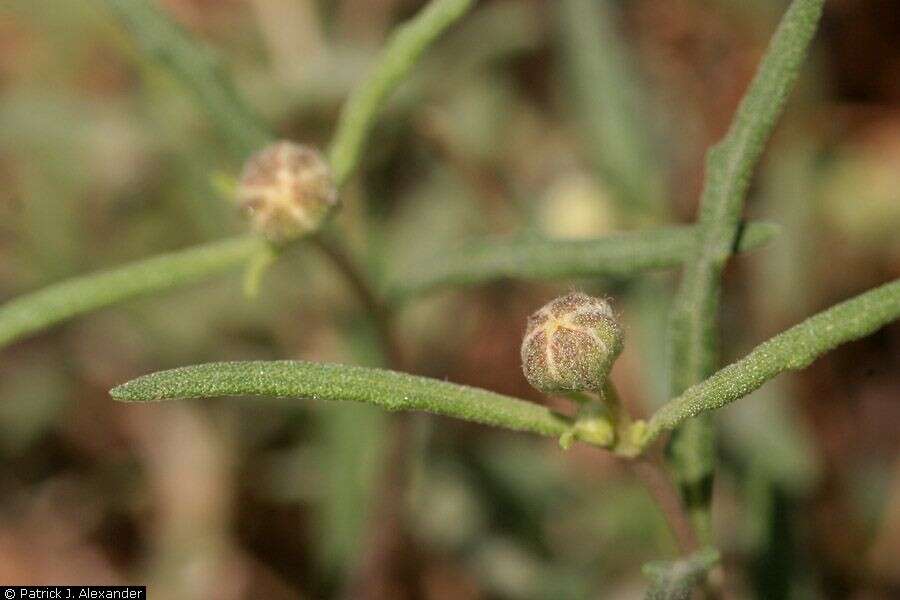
[729, 164]
[402, 51]
[791, 350]
[380, 313]
[651, 470]
[34, 312]
[198, 68]
[618, 255]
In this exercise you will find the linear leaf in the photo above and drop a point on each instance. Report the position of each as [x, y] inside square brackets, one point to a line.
[729, 164]
[675, 580]
[611, 109]
[197, 67]
[793, 349]
[624, 254]
[388, 389]
[34, 312]
[400, 55]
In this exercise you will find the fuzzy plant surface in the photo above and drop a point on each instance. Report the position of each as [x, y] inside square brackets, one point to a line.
[571, 353]
[793, 349]
[729, 166]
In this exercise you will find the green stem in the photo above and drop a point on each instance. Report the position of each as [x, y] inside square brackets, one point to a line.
[618, 255]
[378, 310]
[610, 108]
[402, 52]
[694, 340]
[31, 313]
[650, 468]
[198, 68]
[791, 350]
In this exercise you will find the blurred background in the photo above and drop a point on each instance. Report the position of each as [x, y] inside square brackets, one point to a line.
[570, 119]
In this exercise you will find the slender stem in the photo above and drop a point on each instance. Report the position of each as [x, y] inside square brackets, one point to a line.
[387, 534]
[404, 49]
[34, 312]
[729, 165]
[379, 311]
[619, 414]
[198, 68]
[651, 471]
[791, 350]
[628, 254]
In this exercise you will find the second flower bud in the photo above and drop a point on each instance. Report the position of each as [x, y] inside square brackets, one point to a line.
[570, 344]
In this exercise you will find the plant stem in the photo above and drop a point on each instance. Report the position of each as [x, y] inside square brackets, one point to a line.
[387, 535]
[379, 311]
[402, 51]
[618, 255]
[62, 301]
[729, 164]
[651, 470]
[610, 107]
[385, 539]
[790, 350]
[198, 68]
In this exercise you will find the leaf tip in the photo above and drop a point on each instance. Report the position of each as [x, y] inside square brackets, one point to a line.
[126, 392]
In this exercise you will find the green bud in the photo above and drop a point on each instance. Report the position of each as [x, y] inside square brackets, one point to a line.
[287, 191]
[570, 344]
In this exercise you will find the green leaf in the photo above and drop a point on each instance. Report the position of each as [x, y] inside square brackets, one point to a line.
[197, 67]
[792, 350]
[611, 109]
[675, 580]
[728, 169]
[388, 389]
[34, 312]
[729, 164]
[400, 55]
[624, 254]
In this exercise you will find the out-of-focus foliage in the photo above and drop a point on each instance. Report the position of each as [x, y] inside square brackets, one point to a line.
[104, 159]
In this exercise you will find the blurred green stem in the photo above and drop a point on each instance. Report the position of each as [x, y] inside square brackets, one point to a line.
[790, 350]
[729, 165]
[198, 68]
[379, 311]
[402, 51]
[39, 310]
[611, 110]
[618, 255]
[649, 468]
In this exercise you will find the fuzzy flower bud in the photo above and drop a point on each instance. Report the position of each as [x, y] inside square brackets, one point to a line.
[570, 344]
[286, 190]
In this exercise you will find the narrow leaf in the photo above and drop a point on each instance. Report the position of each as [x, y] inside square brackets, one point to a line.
[675, 580]
[729, 164]
[34, 312]
[626, 254]
[388, 389]
[197, 67]
[793, 349]
[400, 55]
[728, 169]
[611, 109]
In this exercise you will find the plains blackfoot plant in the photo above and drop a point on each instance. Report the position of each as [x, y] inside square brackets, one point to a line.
[290, 189]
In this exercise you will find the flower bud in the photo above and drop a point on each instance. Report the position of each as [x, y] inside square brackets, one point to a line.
[286, 190]
[570, 344]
